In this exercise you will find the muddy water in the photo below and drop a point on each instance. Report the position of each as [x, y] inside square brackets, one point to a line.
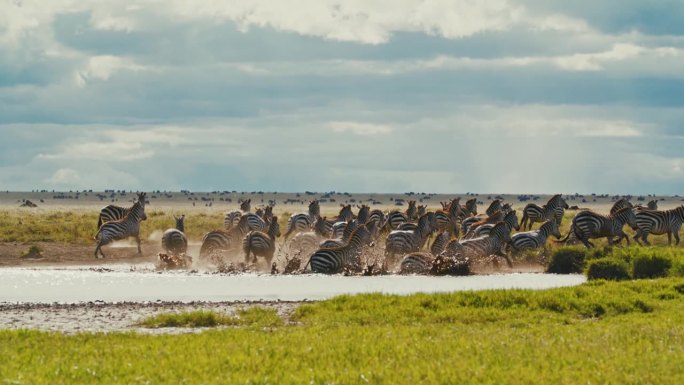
[74, 285]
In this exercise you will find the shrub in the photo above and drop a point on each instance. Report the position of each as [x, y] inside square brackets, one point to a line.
[651, 266]
[33, 252]
[608, 268]
[567, 260]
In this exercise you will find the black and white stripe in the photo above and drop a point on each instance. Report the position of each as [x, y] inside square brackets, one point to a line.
[262, 244]
[129, 226]
[307, 242]
[620, 204]
[407, 241]
[534, 239]
[659, 222]
[447, 218]
[483, 247]
[333, 260]
[299, 223]
[590, 225]
[421, 262]
[221, 241]
[174, 241]
[553, 209]
[511, 220]
[114, 213]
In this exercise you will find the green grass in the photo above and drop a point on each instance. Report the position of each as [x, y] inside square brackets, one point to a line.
[255, 316]
[602, 332]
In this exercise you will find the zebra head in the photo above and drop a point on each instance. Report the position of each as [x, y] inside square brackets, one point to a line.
[314, 208]
[628, 217]
[454, 207]
[260, 212]
[246, 205]
[268, 212]
[471, 206]
[653, 205]
[412, 210]
[558, 201]
[180, 222]
[621, 204]
[506, 208]
[364, 212]
[512, 219]
[274, 228]
[345, 213]
[362, 236]
[141, 204]
[320, 227]
[422, 209]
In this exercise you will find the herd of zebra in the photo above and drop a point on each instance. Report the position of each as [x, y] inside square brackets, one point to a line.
[459, 234]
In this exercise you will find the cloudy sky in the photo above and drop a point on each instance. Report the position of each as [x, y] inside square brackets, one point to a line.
[354, 95]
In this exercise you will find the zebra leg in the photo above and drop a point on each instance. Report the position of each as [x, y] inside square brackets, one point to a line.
[504, 256]
[586, 242]
[644, 237]
[637, 236]
[137, 239]
[676, 236]
[99, 248]
[669, 238]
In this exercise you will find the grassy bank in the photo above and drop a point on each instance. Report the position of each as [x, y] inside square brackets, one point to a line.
[617, 333]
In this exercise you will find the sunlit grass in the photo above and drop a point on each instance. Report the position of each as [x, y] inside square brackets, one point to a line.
[603, 332]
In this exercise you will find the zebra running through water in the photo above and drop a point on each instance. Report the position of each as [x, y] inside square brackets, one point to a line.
[262, 244]
[114, 213]
[510, 219]
[333, 260]
[472, 223]
[307, 242]
[421, 262]
[221, 240]
[590, 225]
[128, 226]
[534, 239]
[174, 241]
[659, 222]
[299, 223]
[483, 247]
[553, 209]
[407, 241]
[447, 218]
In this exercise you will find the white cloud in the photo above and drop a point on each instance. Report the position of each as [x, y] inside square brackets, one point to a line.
[64, 176]
[363, 129]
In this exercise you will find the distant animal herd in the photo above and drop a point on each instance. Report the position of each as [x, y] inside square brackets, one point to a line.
[457, 234]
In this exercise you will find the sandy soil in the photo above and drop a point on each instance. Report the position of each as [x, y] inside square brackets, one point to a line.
[118, 317]
[54, 253]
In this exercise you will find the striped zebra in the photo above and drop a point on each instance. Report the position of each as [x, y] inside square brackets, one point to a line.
[470, 208]
[470, 224]
[534, 239]
[377, 216]
[114, 213]
[246, 205]
[333, 260]
[363, 214]
[299, 223]
[447, 218]
[254, 222]
[395, 218]
[486, 246]
[421, 262]
[659, 222]
[651, 205]
[510, 219]
[343, 238]
[407, 241]
[495, 206]
[621, 204]
[174, 241]
[262, 244]
[590, 225]
[231, 219]
[412, 211]
[219, 241]
[422, 210]
[553, 209]
[309, 241]
[128, 226]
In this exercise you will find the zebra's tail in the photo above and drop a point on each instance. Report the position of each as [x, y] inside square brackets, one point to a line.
[572, 229]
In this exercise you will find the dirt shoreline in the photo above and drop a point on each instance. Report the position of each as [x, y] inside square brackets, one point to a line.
[100, 317]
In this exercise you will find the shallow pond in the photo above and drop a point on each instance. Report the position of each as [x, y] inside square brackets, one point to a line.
[119, 284]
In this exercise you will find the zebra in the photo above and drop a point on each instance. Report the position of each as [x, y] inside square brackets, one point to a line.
[246, 205]
[343, 238]
[421, 262]
[589, 225]
[553, 209]
[262, 244]
[494, 207]
[128, 226]
[395, 218]
[485, 246]
[363, 215]
[231, 219]
[470, 207]
[333, 260]
[174, 241]
[447, 218]
[254, 222]
[377, 216]
[309, 241]
[224, 240]
[412, 211]
[407, 241]
[535, 239]
[302, 222]
[659, 222]
[651, 205]
[422, 210]
[115, 213]
[621, 204]
[472, 223]
[510, 219]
